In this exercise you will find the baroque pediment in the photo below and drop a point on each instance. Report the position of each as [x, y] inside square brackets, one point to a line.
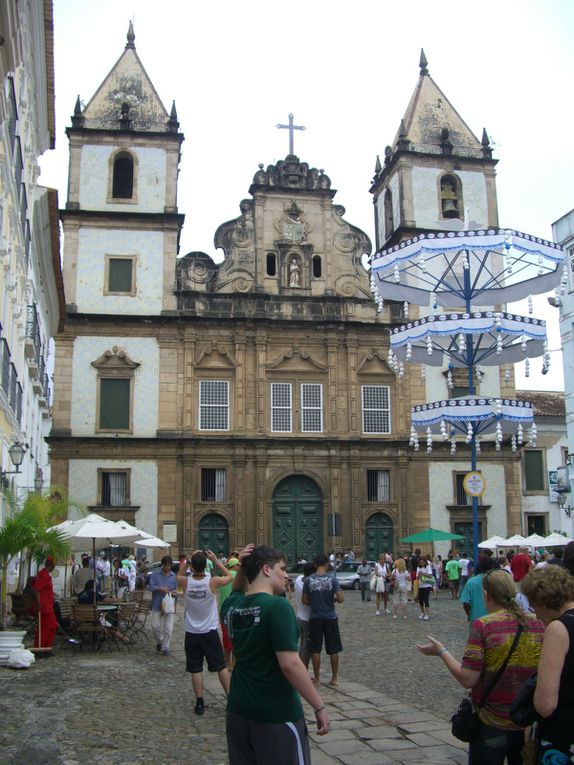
[374, 362]
[117, 358]
[296, 359]
[215, 357]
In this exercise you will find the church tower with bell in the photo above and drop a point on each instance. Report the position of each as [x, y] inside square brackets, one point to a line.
[436, 175]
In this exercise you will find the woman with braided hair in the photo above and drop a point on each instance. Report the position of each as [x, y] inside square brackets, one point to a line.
[490, 645]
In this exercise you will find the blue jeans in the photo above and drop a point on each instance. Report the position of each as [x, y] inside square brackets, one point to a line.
[365, 588]
[494, 744]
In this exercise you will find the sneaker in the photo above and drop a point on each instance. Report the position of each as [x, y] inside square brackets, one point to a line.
[158, 647]
[422, 616]
[394, 616]
[377, 613]
[199, 707]
[405, 617]
[387, 611]
[165, 652]
[426, 618]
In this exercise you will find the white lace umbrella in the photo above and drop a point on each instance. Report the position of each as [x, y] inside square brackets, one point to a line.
[556, 540]
[491, 543]
[535, 540]
[516, 541]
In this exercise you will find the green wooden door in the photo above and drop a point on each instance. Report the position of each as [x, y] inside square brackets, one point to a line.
[379, 536]
[464, 528]
[298, 518]
[213, 534]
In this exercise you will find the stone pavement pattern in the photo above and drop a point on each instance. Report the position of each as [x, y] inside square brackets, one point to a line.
[136, 706]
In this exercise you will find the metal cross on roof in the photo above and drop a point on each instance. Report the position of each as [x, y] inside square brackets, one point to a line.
[290, 127]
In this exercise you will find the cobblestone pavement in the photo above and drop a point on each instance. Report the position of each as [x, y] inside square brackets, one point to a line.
[136, 706]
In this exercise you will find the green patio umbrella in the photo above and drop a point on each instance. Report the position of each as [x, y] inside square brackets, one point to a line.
[431, 535]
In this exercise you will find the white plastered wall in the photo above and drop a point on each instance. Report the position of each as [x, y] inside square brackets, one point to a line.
[142, 350]
[425, 184]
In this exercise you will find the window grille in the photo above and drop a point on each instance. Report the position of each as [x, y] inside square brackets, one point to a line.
[461, 496]
[114, 489]
[311, 408]
[378, 486]
[213, 405]
[376, 409]
[281, 407]
[213, 484]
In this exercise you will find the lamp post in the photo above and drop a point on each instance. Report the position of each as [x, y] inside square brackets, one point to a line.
[16, 453]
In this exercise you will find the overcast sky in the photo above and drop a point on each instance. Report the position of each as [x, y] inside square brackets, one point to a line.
[346, 71]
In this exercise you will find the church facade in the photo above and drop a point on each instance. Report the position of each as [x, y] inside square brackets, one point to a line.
[215, 404]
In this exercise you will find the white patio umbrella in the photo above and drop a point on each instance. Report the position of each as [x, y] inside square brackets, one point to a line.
[556, 540]
[100, 531]
[492, 543]
[535, 540]
[151, 542]
[516, 541]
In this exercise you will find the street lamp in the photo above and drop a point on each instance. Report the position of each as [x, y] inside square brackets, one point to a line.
[16, 453]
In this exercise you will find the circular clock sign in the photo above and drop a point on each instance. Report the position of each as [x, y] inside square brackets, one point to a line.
[474, 484]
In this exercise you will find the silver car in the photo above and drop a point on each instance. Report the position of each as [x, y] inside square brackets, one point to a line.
[347, 576]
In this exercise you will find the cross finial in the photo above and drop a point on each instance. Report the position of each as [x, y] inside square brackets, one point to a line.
[291, 128]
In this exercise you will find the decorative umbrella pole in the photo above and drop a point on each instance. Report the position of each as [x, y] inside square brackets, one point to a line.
[447, 270]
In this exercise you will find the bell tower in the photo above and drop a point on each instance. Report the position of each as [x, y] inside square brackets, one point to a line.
[121, 222]
[436, 174]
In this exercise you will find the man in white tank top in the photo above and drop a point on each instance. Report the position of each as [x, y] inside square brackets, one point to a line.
[201, 620]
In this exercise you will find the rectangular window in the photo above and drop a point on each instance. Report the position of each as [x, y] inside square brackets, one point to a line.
[281, 407]
[534, 470]
[114, 404]
[213, 484]
[213, 405]
[5, 367]
[461, 495]
[376, 409]
[378, 486]
[312, 408]
[114, 488]
[120, 276]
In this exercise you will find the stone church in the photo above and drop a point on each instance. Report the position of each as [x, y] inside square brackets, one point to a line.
[216, 404]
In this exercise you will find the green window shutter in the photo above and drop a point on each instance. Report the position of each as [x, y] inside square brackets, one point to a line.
[534, 470]
[114, 404]
[120, 275]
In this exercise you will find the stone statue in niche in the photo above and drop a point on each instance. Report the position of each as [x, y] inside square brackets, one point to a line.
[294, 277]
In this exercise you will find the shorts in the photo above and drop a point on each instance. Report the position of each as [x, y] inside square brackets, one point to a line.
[206, 645]
[327, 628]
[424, 594]
[250, 742]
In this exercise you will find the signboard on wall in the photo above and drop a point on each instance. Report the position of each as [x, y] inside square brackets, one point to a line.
[553, 493]
[170, 533]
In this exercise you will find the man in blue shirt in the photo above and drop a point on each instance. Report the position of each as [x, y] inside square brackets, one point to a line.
[471, 597]
[321, 591]
[161, 583]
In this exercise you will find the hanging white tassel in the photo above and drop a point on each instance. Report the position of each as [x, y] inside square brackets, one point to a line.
[532, 434]
[513, 443]
[401, 369]
[523, 343]
[443, 430]
[527, 368]
[498, 345]
[406, 309]
[409, 352]
[433, 303]
[498, 408]
[429, 345]
[530, 304]
[478, 373]
[461, 343]
[477, 444]
[429, 440]
[540, 265]
[498, 439]
[449, 380]
[520, 434]
[507, 375]
[452, 446]
[422, 264]
[468, 438]
[465, 263]
[397, 274]
[413, 436]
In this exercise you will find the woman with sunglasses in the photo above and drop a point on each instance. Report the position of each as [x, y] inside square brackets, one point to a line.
[491, 643]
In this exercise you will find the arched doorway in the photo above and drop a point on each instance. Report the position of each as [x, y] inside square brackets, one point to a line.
[379, 536]
[298, 518]
[213, 533]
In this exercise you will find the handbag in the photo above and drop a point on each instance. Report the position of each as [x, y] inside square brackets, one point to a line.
[465, 722]
[522, 710]
[373, 581]
[168, 604]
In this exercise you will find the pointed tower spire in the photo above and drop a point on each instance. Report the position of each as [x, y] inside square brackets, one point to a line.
[131, 37]
[77, 118]
[378, 166]
[423, 63]
[172, 123]
[403, 144]
[485, 141]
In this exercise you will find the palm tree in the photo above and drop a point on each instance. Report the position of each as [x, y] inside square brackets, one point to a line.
[26, 531]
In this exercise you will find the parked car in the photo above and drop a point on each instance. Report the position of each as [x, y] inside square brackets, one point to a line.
[157, 565]
[347, 575]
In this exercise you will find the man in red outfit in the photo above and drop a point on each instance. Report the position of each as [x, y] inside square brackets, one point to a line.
[47, 623]
[521, 564]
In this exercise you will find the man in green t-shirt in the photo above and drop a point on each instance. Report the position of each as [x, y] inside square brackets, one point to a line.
[265, 720]
[452, 569]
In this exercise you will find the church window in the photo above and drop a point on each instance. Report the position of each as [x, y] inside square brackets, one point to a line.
[114, 403]
[123, 176]
[281, 408]
[317, 269]
[271, 264]
[461, 497]
[213, 484]
[388, 203]
[378, 486]
[213, 405]
[114, 488]
[451, 197]
[312, 408]
[119, 275]
[533, 470]
[376, 409]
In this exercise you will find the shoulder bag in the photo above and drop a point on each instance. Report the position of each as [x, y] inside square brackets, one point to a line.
[522, 710]
[168, 603]
[465, 722]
